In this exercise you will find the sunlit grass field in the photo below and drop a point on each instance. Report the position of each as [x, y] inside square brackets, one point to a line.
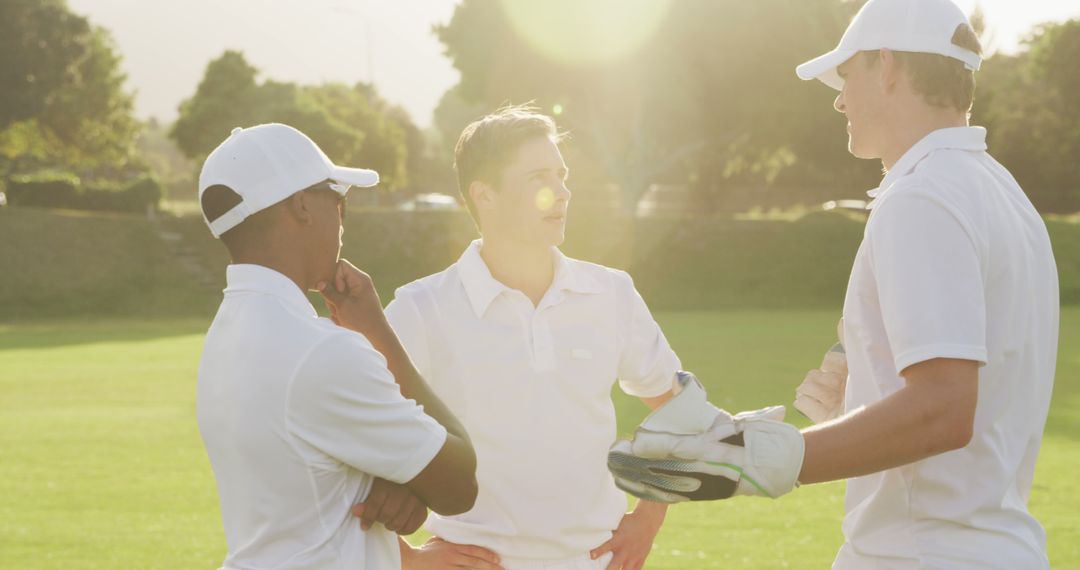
[101, 465]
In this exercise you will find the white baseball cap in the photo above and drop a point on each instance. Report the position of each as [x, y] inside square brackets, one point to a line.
[922, 26]
[268, 163]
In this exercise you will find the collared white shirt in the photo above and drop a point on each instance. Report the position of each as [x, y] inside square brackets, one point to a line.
[955, 263]
[297, 415]
[532, 386]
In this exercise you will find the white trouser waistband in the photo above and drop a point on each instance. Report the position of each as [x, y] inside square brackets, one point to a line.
[582, 562]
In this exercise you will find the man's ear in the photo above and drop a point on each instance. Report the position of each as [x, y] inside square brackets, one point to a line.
[483, 195]
[888, 70]
[299, 208]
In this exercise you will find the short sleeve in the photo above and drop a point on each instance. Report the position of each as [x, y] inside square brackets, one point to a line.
[344, 402]
[406, 321]
[647, 364]
[929, 279]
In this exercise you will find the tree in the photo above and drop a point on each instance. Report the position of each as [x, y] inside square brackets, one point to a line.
[40, 44]
[351, 124]
[1028, 103]
[62, 98]
[379, 139]
[92, 114]
[451, 116]
[706, 97]
[222, 100]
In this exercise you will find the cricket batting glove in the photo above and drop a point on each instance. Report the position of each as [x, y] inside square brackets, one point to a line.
[687, 413]
[820, 397]
[751, 453]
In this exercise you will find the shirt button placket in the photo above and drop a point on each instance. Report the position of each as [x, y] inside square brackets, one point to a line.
[527, 315]
[543, 347]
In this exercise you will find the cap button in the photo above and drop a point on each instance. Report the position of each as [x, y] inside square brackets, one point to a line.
[236, 130]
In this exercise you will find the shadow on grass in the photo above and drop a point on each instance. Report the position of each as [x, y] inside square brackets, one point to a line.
[117, 326]
[723, 341]
[57, 333]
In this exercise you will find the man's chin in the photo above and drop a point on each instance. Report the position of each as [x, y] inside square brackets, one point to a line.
[859, 152]
[557, 237]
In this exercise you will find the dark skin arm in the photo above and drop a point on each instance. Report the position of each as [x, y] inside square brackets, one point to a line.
[448, 484]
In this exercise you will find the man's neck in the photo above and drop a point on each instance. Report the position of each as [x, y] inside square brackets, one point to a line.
[529, 269]
[908, 130]
[294, 270]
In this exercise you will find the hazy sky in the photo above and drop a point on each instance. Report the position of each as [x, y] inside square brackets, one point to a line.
[1010, 20]
[166, 44]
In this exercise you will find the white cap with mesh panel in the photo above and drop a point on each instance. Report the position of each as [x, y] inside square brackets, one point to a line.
[921, 26]
[268, 163]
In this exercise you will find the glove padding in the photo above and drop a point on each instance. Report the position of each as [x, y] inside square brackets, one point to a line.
[751, 453]
[687, 413]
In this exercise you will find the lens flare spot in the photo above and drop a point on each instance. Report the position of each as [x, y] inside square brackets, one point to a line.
[586, 33]
[557, 110]
[545, 199]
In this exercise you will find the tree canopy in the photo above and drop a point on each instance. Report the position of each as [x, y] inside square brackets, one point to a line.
[1030, 105]
[62, 97]
[706, 97]
[352, 124]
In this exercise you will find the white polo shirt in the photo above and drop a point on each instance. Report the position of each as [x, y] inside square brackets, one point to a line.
[532, 386]
[297, 415]
[955, 263]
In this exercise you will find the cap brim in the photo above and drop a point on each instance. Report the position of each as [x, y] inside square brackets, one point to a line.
[823, 67]
[354, 176]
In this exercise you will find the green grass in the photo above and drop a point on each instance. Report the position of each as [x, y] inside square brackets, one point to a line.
[101, 465]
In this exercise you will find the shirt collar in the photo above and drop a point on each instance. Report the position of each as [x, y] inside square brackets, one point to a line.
[570, 277]
[251, 278]
[956, 138]
[480, 286]
[482, 289]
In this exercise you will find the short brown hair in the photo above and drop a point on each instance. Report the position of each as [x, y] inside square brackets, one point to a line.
[942, 81]
[487, 145]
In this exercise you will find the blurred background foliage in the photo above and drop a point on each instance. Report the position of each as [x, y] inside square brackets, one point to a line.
[692, 148]
[695, 94]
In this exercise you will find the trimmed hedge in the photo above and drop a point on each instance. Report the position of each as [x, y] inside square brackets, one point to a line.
[58, 263]
[65, 190]
[709, 263]
[135, 196]
[45, 190]
[68, 264]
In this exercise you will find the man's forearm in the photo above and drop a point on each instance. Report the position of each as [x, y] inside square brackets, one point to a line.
[901, 429]
[657, 401]
[413, 385]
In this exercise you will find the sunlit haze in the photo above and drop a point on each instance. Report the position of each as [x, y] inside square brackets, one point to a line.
[166, 45]
[1009, 21]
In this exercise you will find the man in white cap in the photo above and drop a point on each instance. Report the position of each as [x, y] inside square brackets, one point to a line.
[950, 328]
[302, 417]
